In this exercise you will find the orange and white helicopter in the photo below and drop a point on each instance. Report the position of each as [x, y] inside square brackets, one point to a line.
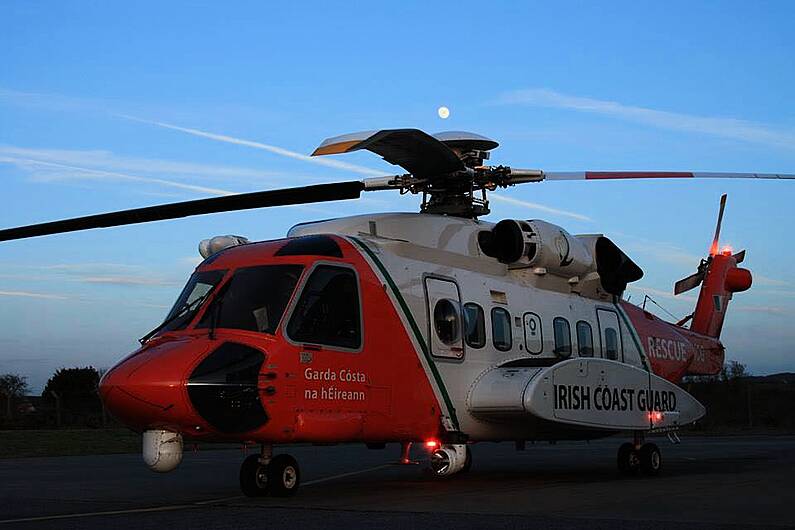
[432, 328]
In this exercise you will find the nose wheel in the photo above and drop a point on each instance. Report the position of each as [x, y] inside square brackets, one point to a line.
[279, 476]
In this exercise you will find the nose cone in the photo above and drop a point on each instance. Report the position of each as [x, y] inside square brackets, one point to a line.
[146, 390]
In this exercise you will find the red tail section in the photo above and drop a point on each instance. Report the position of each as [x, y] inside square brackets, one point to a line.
[723, 279]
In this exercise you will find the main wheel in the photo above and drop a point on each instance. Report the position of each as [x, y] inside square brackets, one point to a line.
[628, 459]
[284, 476]
[253, 477]
[650, 459]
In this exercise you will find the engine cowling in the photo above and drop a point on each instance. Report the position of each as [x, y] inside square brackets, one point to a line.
[537, 244]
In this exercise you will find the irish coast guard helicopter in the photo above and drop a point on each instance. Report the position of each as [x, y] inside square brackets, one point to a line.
[431, 327]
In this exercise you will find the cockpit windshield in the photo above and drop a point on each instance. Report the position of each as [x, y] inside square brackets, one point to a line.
[191, 299]
[254, 299]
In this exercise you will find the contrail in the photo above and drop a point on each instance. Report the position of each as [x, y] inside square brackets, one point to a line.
[336, 164]
[540, 207]
[119, 176]
[331, 163]
[723, 127]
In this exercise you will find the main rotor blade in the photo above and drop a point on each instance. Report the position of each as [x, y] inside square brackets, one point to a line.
[691, 282]
[713, 248]
[230, 203]
[610, 175]
[417, 152]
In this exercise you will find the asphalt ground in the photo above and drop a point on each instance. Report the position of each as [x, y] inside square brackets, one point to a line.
[707, 482]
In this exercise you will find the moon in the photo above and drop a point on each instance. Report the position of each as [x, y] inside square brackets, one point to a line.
[443, 112]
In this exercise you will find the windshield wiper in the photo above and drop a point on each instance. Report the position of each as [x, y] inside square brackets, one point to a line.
[217, 307]
[181, 312]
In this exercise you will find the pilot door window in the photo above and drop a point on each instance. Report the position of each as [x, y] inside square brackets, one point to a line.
[328, 311]
[501, 329]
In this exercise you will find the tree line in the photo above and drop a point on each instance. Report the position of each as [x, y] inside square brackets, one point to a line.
[70, 398]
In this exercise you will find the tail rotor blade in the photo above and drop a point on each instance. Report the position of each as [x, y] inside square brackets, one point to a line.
[713, 249]
[691, 282]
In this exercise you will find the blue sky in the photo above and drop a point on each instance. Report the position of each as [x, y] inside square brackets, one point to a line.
[702, 86]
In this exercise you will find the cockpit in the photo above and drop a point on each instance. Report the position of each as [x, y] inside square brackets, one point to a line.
[255, 299]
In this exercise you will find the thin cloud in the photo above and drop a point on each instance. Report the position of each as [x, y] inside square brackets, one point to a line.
[26, 294]
[127, 280]
[539, 207]
[766, 309]
[193, 261]
[76, 172]
[93, 273]
[109, 161]
[722, 127]
[337, 164]
[759, 279]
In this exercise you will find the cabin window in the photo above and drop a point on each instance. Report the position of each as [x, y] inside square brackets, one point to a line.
[501, 329]
[254, 299]
[328, 311]
[447, 321]
[611, 344]
[475, 325]
[562, 332]
[584, 339]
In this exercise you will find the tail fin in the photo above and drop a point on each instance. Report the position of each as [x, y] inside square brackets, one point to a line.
[719, 277]
[723, 279]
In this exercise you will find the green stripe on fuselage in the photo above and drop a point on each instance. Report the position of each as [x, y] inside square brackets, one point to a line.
[414, 327]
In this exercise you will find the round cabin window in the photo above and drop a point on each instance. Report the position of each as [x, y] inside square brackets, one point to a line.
[447, 321]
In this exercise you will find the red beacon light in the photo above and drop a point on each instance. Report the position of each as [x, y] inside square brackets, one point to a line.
[655, 416]
[727, 250]
[432, 444]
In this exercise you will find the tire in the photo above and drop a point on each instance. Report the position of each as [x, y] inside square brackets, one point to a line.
[284, 476]
[253, 477]
[650, 459]
[628, 459]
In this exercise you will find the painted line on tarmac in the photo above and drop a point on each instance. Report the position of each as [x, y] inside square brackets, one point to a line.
[176, 506]
[343, 475]
[96, 514]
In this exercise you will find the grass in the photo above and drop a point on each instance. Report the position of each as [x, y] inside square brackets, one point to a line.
[68, 442]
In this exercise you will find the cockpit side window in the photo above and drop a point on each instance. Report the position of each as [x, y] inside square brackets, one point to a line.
[328, 311]
[254, 299]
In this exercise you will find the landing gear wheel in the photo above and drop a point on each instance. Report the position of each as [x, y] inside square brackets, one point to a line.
[650, 459]
[284, 476]
[253, 477]
[628, 459]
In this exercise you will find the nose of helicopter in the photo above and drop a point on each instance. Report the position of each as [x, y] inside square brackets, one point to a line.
[146, 390]
[191, 385]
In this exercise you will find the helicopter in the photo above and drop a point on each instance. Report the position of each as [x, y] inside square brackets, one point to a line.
[433, 328]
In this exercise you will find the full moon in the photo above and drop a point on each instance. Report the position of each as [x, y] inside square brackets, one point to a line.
[443, 112]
